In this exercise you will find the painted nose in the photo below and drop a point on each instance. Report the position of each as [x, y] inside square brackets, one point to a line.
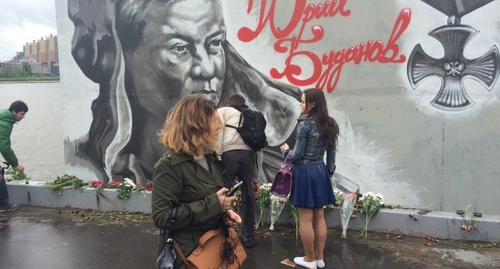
[203, 66]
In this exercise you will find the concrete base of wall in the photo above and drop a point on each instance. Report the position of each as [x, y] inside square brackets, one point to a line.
[442, 225]
[35, 194]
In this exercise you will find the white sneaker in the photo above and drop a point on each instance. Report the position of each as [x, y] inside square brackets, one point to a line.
[320, 263]
[300, 261]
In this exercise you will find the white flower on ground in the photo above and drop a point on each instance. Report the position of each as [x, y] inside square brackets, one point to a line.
[371, 205]
[129, 182]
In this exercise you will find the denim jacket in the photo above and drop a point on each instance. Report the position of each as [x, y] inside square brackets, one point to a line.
[311, 145]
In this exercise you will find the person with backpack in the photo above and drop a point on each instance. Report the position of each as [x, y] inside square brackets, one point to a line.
[240, 159]
[15, 113]
[312, 189]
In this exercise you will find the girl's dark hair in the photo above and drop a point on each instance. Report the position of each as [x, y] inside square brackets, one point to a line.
[319, 114]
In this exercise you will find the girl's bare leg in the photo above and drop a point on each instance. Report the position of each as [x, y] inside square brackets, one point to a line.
[320, 232]
[307, 232]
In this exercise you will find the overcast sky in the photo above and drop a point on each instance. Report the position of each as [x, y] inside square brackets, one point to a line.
[23, 21]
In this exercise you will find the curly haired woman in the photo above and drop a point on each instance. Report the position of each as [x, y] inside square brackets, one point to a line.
[187, 179]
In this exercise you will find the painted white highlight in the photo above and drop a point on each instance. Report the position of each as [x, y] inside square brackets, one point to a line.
[370, 166]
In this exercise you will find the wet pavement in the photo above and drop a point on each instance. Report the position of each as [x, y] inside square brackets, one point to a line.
[51, 238]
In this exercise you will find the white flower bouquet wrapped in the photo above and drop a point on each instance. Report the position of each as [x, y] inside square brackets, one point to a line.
[277, 205]
[346, 210]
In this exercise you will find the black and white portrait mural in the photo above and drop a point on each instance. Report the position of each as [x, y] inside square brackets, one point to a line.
[145, 56]
[413, 85]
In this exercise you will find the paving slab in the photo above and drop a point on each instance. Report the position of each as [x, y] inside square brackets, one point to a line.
[53, 238]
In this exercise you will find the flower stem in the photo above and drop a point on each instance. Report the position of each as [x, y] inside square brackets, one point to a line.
[110, 206]
[364, 233]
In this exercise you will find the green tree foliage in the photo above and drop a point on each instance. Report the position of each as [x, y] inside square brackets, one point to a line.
[27, 68]
[14, 70]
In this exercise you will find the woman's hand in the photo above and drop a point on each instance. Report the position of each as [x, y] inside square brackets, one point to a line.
[284, 147]
[231, 218]
[224, 201]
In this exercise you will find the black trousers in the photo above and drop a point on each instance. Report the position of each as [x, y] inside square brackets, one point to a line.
[241, 164]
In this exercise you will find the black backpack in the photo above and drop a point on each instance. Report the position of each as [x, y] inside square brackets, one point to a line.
[252, 131]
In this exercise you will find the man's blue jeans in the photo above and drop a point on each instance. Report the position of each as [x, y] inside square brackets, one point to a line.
[4, 194]
[240, 163]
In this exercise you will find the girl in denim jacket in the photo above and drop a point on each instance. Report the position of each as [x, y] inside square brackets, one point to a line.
[312, 189]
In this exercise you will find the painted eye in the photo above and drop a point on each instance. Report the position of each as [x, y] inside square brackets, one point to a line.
[216, 43]
[180, 48]
[215, 46]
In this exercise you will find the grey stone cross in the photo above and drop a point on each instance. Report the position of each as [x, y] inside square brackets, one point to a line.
[453, 68]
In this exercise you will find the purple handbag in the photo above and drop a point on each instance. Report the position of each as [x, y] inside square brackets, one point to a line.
[282, 184]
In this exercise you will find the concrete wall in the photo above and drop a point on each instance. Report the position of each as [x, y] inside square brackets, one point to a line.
[395, 138]
[442, 225]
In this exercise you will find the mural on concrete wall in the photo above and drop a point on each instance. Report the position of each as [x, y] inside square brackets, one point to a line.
[130, 61]
[143, 69]
[145, 56]
[454, 67]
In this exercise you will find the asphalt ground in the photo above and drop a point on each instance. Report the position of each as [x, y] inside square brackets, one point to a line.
[53, 238]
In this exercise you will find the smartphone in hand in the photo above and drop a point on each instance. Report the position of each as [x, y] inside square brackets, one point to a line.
[234, 189]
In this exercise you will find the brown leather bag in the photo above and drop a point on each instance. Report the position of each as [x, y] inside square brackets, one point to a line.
[208, 253]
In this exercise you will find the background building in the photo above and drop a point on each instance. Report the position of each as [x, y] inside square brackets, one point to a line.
[43, 55]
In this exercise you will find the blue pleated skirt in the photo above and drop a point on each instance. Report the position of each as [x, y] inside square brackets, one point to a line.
[311, 187]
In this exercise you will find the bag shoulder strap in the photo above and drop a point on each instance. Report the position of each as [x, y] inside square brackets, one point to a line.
[287, 162]
[179, 252]
[176, 247]
[239, 122]
[209, 234]
[173, 217]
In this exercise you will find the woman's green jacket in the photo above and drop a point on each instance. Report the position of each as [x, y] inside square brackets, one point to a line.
[181, 182]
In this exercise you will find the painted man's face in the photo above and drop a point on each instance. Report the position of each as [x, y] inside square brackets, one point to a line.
[180, 53]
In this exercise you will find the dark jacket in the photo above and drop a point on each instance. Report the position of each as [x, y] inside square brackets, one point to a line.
[180, 182]
[311, 145]
[6, 123]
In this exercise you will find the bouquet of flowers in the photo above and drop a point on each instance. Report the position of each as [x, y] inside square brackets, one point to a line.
[277, 204]
[339, 198]
[124, 188]
[346, 211]
[63, 181]
[371, 205]
[263, 201]
[15, 175]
